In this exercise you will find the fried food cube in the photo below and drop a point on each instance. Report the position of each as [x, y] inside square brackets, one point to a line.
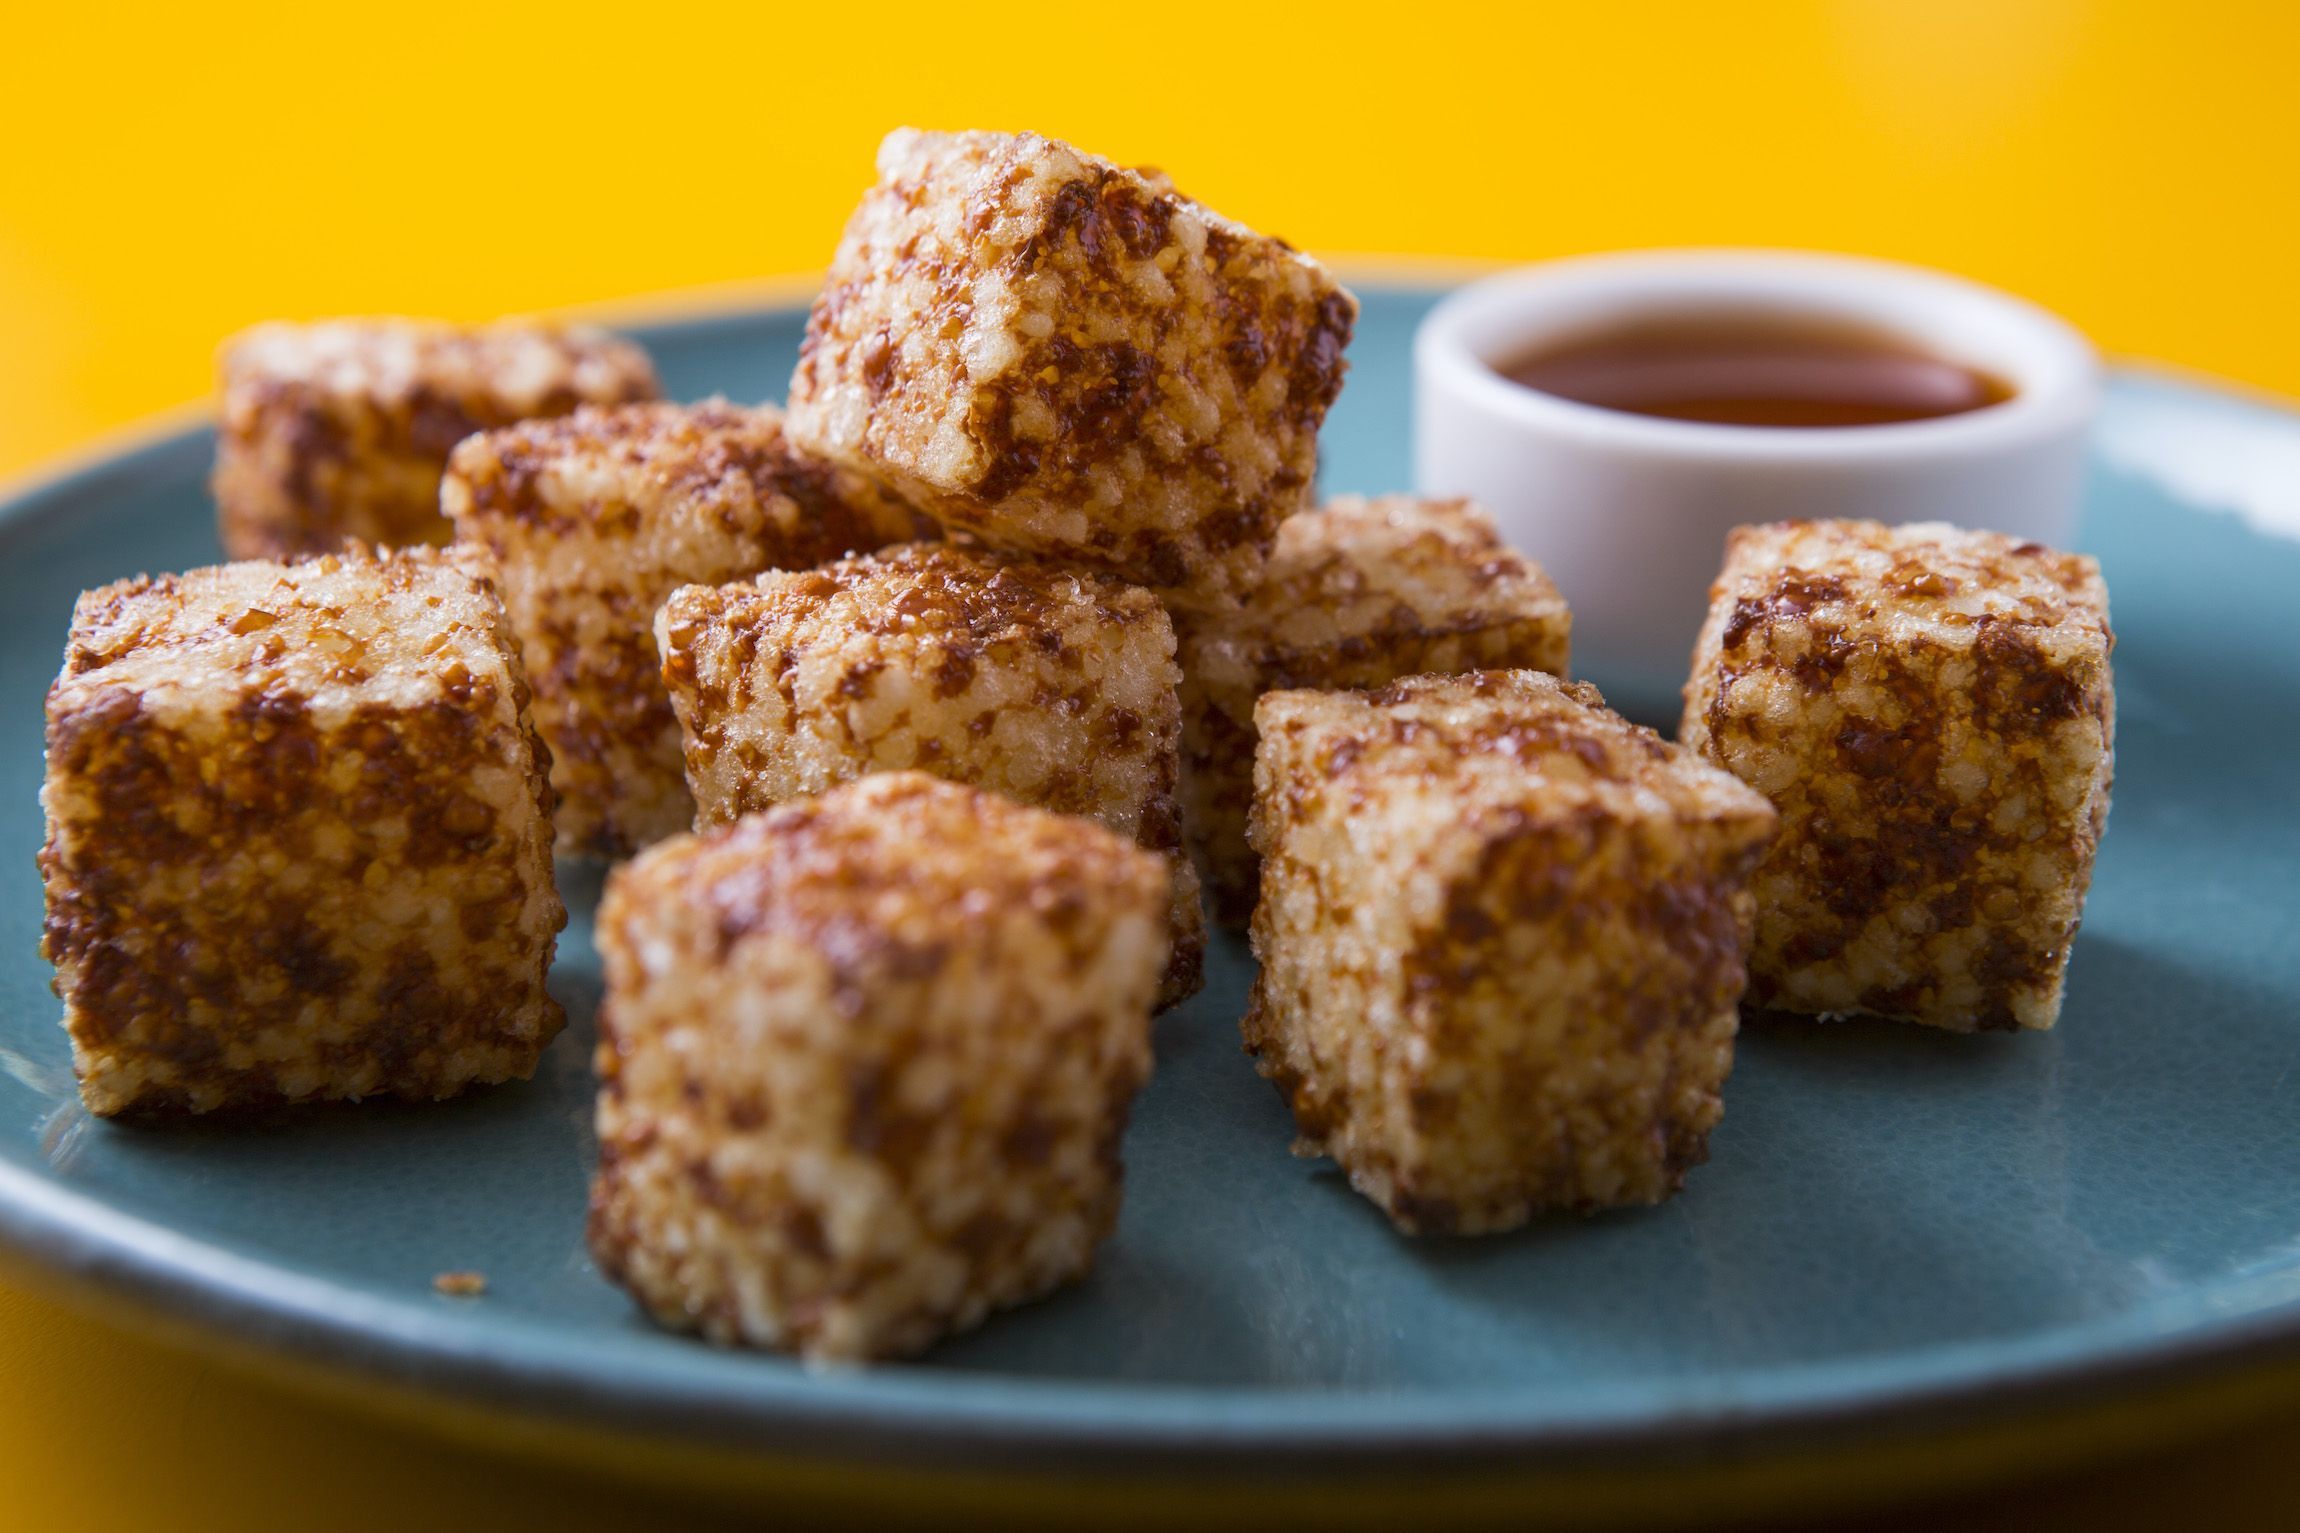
[1071, 360]
[593, 519]
[1055, 687]
[865, 1061]
[340, 430]
[1358, 593]
[1932, 712]
[299, 837]
[1502, 934]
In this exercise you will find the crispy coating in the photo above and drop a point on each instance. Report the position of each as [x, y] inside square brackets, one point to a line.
[865, 1061]
[1071, 360]
[594, 518]
[1358, 593]
[339, 430]
[1052, 686]
[1933, 714]
[299, 837]
[1502, 935]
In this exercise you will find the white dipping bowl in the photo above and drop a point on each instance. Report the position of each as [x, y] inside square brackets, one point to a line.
[1629, 513]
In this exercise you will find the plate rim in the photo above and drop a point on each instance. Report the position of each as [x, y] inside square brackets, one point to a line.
[95, 1256]
[93, 1252]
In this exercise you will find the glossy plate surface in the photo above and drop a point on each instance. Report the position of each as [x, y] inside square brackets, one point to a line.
[1893, 1222]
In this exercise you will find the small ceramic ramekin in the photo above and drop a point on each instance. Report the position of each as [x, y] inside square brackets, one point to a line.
[1629, 513]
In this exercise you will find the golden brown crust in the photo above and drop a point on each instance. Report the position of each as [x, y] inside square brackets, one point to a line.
[1055, 687]
[1357, 593]
[339, 430]
[1071, 360]
[594, 518]
[1501, 934]
[1932, 712]
[865, 1061]
[298, 837]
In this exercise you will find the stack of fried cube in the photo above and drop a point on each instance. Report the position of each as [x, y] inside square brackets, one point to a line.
[926, 705]
[1108, 398]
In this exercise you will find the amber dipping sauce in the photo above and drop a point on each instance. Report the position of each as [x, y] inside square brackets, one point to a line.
[1756, 370]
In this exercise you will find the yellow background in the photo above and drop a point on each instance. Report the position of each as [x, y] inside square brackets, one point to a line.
[168, 174]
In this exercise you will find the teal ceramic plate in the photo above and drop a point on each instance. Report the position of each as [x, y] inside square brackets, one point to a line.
[1896, 1226]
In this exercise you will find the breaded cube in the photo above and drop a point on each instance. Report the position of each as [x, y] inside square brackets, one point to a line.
[1070, 360]
[1502, 933]
[594, 518]
[865, 1061]
[1357, 594]
[1055, 687]
[1931, 711]
[340, 430]
[299, 837]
